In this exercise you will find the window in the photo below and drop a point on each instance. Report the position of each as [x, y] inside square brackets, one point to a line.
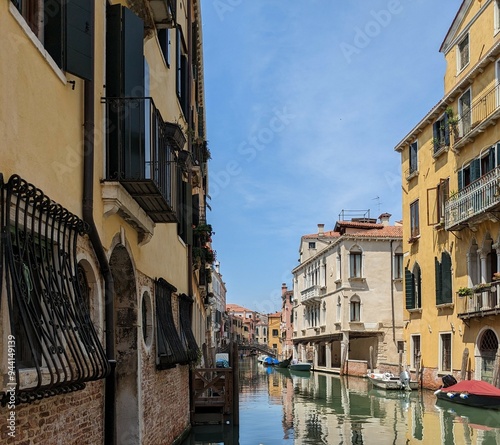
[165, 44]
[414, 220]
[443, 193]
[443, 279]
[398, 266]
[355, 309]
[415, 351]
[64, 29]
[413, 290]
[441, 132]
[413, 158]
[463, 53]
[355, 262]
[497, 16]
[312, 245]
[275, 333]
[49, 315]
[401, 346]
[182, 73]
[477, 167]
[445, 352]
[464, 112]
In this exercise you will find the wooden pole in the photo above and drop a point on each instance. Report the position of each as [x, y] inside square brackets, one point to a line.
[417, 367]
[465, 360]
[371, 358]
[236, 385]
[496, 369]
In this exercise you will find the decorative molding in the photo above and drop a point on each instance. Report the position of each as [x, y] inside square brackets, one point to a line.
[117, 201]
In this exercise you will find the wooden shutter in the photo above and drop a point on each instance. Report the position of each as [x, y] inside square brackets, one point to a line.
[446, 130]
[435, 134]
[437, 272]
[446, 294]
[409, 289]
[475, 169]
[460, 179]
[78, 54]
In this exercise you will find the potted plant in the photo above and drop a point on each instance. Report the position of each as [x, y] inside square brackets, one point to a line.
[464, 292]
[481, 287]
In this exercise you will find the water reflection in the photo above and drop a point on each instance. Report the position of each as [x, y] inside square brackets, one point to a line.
[280, 407]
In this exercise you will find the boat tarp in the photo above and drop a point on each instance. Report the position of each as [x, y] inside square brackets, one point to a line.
[477, 387]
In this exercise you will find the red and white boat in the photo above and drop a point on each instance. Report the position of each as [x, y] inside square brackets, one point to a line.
[471, 393]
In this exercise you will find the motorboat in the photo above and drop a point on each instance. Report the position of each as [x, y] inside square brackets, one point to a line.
[388, 380]
[300, 366]
[476, 393]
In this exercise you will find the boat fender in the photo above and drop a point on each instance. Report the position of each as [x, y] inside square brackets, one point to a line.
[437, 392]
[372, 376]
[464, 396]
[450, 395]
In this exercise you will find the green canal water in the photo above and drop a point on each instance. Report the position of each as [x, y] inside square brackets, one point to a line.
[277, 407]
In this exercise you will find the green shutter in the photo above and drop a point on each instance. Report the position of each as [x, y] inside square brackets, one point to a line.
[78, 55]
[409, 289]
[446, 294]
[418, 286]
[437, 271]
[460, 180]
[446, 130]
[475, 169]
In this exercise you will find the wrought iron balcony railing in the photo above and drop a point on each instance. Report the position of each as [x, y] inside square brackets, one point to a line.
[142, 154]
[482, 302]
[482, 112]
[311, 294]
[478, 197]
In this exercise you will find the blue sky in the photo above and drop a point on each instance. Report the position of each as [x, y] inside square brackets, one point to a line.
[305, 102]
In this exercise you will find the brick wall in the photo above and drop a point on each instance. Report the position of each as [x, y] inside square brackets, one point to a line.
[75, 418]
[356, 367]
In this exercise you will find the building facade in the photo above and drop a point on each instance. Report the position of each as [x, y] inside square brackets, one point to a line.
[104, 176]
[451, 201]
[286, 326]
[348, 296]
[274, 342]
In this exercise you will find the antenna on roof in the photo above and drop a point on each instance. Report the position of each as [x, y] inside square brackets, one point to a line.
[377, 198]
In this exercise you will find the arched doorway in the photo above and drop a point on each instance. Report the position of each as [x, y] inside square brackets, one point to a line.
[126, 343]
[488, 346]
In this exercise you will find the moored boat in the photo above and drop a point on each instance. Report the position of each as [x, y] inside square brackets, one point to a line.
[387, 380]
[300, 366]
[474, 393]
[285, 363]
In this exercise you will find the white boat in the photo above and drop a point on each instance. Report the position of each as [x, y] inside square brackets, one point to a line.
[388, 380]
[261, 358]
[300, 366]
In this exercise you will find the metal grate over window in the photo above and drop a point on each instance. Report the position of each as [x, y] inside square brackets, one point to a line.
[187, 336]
[170, 348]
[56, 344]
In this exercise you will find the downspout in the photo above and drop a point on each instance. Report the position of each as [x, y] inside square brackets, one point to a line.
[88, 217]
[392, 296]
[189, 140]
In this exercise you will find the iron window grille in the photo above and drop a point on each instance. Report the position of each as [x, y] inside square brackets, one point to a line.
[57, 347]
[187, 336]
[170, 348]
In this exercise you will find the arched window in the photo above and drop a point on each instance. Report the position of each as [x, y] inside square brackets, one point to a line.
[488, 346]
[443, 279]
[413, 291]
[355, 308]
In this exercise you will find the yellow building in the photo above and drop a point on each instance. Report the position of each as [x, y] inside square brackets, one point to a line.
[104, 176]
[451, 204]
[274, 333]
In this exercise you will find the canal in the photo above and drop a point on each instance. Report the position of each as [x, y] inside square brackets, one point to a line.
[279, 407]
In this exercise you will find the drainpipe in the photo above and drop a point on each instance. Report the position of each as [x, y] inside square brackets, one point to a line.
[392, 297]
[88, 217]
[189, 142]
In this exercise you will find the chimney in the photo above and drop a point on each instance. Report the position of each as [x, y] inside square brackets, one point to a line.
[283, 289]
[321, 229]
[384, 218]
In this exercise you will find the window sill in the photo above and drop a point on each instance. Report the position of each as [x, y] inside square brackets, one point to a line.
[412, 175]
[417, 310]
[443, 149]
[445, 306]
[413, 239]
[398, 280]
[360, 279]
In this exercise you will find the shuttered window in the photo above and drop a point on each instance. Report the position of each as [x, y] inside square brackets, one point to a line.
[65, 30]
[443, 279]
[413, 298]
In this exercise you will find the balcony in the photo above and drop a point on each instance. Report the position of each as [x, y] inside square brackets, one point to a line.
[483, 112]
[311, 294]
[142, 154]
[483, 302]
[469, 206]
